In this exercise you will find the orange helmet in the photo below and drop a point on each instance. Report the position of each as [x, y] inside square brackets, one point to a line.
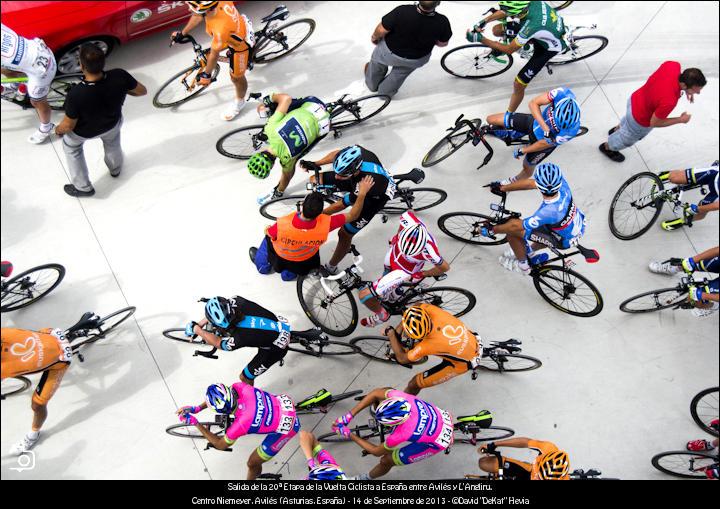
[201, 7]
[416, 323]
[554, 465]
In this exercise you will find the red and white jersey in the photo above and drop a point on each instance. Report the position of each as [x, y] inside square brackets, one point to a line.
[396, 260]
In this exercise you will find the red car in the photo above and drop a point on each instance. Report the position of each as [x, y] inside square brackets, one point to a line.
[64, 26]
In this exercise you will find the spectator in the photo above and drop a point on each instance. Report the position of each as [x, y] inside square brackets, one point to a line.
[650, 105]
[93, 109]
[404, 40]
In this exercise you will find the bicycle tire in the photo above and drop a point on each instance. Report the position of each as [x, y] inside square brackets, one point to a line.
[655, 185]
[240, 143]
[559, 60]
[12, 387]
[489, 434]
[113, 320]
[158, 103]
[337, 122]
[467, 232]
[59, 89]
[280, 207]
[656, 300]
[19, 283]
[491, 365]
[190, 431]
[458, 137]
[335, 398]
[330, 321]
[428, 197]
[543, 273]
[699, 409]
[334, 347]
[178, 334]
[375, 347]
[263, 43]
[469, 61]
[454, 305]
[683, 463]
[560, 5]
[358, 430]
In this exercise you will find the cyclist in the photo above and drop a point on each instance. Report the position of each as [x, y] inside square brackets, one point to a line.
[551, 464]
[350, 166]
[410, 248]
[45, 351]
[321, 465]
[709, 203]
[244, 323]
[556, 124]
[229, 30]
[254, 412]
[429, 330]
[34, 59]
[293, 128]
[418, 429]
[541, 26]
[558, 223]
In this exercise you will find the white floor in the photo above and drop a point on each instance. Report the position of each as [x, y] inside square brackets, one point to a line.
[614, 389]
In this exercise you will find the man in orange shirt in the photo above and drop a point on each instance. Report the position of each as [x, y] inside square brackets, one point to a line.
[551, 464]
[229, 30]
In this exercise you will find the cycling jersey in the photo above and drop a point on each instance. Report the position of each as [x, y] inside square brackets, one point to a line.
[395, 259]
[31, 57]
[259, 328]
[559, 216]
[228, 28]
[705, 177]
[561, 135]
[543, 26]
[448, 338]
[523, 471]
[290, 134]
[27, 351]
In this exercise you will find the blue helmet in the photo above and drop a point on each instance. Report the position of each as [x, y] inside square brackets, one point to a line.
[566, 113]
[348, 161]
[222, 398]
[219, 312]
[548, 178]
[326, 473]
[392, 411]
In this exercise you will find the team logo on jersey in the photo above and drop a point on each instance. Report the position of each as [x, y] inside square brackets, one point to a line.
[25, 351]
[534, 222]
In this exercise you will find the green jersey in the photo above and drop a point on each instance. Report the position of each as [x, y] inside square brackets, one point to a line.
[290, 134]
[543, 25]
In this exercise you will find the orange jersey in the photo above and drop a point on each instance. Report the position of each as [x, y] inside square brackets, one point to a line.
[448, 338]
[26, 351]
[542, 448]
[229, 28]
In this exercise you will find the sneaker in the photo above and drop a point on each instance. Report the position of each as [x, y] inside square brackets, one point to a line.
[665, 267]
[715, 424]
[538, 259]
[508, 181]
[328, 269]
[253, 252]
[703, 312]
[263, 199]
[77, 193]
[516, 265]
[673, 224]
[612, 154]
[39, 137]
[24, 445]
[613, 130]
[376, 319]
[8, 90]
[699, 445]
[234, 110]
[286, 275]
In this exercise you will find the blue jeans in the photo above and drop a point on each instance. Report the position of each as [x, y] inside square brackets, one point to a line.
[263, 265]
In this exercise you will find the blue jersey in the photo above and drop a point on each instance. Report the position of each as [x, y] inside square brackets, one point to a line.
[563, 135]
[560, 215]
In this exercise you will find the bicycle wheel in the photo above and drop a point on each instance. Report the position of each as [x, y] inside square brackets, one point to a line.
[475, 61]
[280, 207]
[378, 348]
[324, 348]
[241, 143]
[558, 6]
[465, 227]
[414, 198]
[582, 47]
[174, 92]
[450, 144]
[14, 385]
[489, 434]
[283, 40]
[686, 464]
[178, 334]
[190, 431]
[59, 89]
[567, 291]
[358, 110]
[635, 207]
[704, 409]
[512, 362]
[655, 300]
[453, 300]
[335, 314]
[105, 325]
[30, 286]
[364, 431]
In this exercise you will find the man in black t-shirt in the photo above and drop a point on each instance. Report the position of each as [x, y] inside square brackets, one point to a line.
[93, 109]
[404, 40]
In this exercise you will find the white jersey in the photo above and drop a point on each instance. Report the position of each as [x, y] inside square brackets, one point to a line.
[31, 57]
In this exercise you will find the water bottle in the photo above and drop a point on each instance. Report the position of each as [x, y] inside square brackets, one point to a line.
[21, 93]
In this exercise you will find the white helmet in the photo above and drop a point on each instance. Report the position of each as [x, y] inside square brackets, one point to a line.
[412, 240]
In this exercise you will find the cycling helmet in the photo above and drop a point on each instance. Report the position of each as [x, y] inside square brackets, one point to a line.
[392, 411]
[412, 240]
[221, 397]
[201, 7]
[513, 8]
[548, 178]
[416, 322]
[565, 114]
[326, 473]
[219, 312]
[260, 164]
[554, 466]
[348, 161]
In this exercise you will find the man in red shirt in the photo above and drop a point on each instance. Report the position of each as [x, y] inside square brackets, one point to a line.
[651, 105]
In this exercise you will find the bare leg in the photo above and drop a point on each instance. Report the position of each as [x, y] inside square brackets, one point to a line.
[382, 468]
[40, 414]
[344, 242]
[525, 173]
[254, 464]
[285, 180]
[241, 86]
[518, 246]
[43, 109]
[373, 304]
[412, 387]
[517, 95]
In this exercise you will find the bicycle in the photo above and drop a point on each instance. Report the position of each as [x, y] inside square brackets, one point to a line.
[271, 43]
[576, 475]
[465, 131]
[29, 286]
[329, 303]
[244, 142]
[639, 201]
[664, 298]
[685, 464]
[59, 89]
[704, 409]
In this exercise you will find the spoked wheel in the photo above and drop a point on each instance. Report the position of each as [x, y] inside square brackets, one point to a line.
[636, 206]
[59, 89]
[686, 464]
[30, 286]
[14, 385]
[581, 47]
[378, 348]
[450, 144]
[178, 334]
[363, 431]
[174, 92]
[283, 40]
[456, 301]
[489, 434]
[335, 314]
[465, 227]
[511, 362]
[105, 325]
[567, 291]
[323, 348]
[475, 61]
[190, 431]
[280, 207]
[241, 143]
[358, 110]
[655, 300]
[558, 6]
[415, 198]
[704, 409]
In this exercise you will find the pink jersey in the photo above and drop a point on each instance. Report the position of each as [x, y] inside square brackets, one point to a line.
[426, 424]
[259, 412]
[411, 264]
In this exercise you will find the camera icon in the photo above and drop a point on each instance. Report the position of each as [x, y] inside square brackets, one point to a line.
[26, 461]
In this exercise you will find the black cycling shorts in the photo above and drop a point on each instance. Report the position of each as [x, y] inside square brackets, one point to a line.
[523, 123]
[540, 57]
[545, 236]
[262, 361]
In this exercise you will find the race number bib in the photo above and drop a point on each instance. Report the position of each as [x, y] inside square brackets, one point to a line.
[287, 419]
[445, 438]
[283, 340]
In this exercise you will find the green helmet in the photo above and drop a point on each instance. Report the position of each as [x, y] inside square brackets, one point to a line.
[513, 8]
[260, 164]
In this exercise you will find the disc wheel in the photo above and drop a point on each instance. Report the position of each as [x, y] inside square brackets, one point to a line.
[283, 40]
[685, 464]
[456, 301]
[475, 61]
[465, 227]
[241, 143]
[105, 325]
[655, 300]
[636, 206]
[378, 348]
[358, 110]
[704, 409]
[30, 286]
[174, 93]
[511, 362]
[582, 47]
[337, 317]
[415, 198]
[567, 291]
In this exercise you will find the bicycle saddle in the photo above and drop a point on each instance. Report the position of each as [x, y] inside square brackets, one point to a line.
[591, 255]
[483, 418]
[308, 334]
[281, 12]
[416, 175]
[7, 269]
[87, 321]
